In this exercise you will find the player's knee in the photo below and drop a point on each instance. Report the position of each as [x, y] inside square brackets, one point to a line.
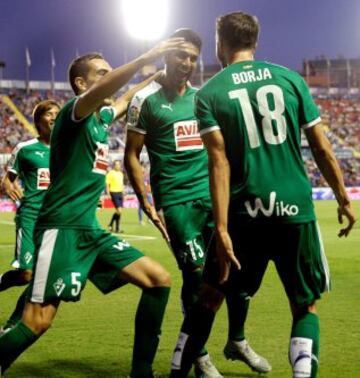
[44, 325]
[211, 298]
[25, 276]
[38, 323]
[162, 279]
[299, 311]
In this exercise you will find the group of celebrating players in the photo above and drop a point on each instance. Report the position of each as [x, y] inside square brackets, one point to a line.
[230, 194]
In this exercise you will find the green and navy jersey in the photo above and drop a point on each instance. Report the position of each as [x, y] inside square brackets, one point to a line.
[78, 165]
[260, 109]
[30, 162]
[177, 156]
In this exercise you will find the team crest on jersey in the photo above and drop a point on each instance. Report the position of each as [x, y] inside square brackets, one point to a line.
[187, 136]
[59, 286]
[133, 115]
[28, 257]
[101, 162]
[43, 178]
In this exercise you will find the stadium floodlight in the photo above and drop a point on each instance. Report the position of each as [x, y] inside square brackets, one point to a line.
[145, 19]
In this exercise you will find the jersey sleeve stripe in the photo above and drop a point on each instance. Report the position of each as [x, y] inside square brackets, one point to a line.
[112, 108]
[73, 118]
[312, 123]
[209, 130]
[136, 129]
[12, 170]
[137, 102]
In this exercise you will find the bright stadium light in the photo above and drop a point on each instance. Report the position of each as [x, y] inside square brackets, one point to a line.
[145, 19]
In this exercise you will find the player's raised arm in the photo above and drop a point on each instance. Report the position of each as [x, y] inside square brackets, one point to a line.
[219, 170]
[122, 103]
[112, 80]
[134, 145]
[329, 167]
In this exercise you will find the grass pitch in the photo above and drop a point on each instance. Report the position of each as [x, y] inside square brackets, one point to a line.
[93, 338]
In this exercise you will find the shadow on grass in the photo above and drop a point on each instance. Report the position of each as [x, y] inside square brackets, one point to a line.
[86, 369]
[231, 374]
[67, 369]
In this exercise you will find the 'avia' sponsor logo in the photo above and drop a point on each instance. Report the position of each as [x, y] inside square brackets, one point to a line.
[278, 207]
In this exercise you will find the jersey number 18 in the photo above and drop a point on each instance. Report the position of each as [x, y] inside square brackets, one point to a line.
[268, 115]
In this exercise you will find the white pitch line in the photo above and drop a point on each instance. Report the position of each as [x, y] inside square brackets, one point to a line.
[7, 222]
[127, 236]
[135, 237]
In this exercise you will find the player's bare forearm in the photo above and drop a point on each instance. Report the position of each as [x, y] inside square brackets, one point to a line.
[329, 167]
[136, 177]
[122, 103]
[106, 87]
[133, 166]
[116, 79]
[219, 170]
[327, 163]
[219, 187]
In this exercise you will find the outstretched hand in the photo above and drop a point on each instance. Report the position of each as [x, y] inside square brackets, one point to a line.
[225, 254]
[154, 217]
[347, 212]
[163, 47]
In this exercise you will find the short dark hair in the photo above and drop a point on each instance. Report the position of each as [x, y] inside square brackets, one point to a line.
[79, 67]
[189, 36]
[239, 30]
[41, 108]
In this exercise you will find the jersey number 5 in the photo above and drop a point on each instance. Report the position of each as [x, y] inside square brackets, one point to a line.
[272, 119]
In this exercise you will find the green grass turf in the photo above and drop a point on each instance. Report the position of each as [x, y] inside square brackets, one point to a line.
[94, 337]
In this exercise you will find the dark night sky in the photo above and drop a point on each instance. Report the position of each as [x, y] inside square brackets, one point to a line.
[291, 30]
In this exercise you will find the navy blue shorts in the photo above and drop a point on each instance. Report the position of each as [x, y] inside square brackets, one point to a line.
[117, 198]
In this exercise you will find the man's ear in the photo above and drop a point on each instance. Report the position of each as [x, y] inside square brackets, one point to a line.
[80, 84]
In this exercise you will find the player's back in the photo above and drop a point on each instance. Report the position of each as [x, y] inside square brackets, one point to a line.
[260, 109]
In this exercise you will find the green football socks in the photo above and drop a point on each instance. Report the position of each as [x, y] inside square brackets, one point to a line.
[148, 320]
[13, 343]
[237, 307]
[194, 333]
[19, 309]
[192, 282]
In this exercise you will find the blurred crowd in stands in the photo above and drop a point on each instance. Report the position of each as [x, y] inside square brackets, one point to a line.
[340, 115]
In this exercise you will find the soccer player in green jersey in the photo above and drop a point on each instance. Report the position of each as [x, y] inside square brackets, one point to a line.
[161, 117]
[70, 245]
[30, 163]
[250, 118]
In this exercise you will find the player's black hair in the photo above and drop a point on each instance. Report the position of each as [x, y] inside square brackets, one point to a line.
[189, 36]
[239, 30]
[79, 68]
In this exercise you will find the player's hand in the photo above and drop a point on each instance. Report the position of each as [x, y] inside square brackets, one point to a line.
[154, 217]
[225, 254]
[161, 48]
[14, 192]
[346, 211]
